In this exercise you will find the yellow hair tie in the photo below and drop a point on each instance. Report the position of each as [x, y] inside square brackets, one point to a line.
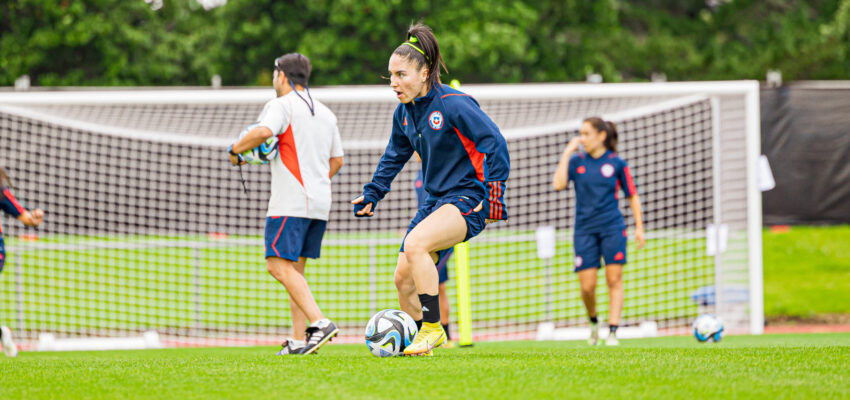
[414, 46]
[410, 42]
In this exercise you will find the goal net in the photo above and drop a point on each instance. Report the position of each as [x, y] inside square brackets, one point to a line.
[148, 228]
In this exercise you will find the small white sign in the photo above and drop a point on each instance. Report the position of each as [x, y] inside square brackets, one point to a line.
[716, 239]
[545, 242]
[711, 240]
[766, 181]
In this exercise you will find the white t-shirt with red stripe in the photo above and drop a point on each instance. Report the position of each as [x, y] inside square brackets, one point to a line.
[301, 186]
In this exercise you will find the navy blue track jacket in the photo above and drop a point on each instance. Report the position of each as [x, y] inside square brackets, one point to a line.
[463, 152]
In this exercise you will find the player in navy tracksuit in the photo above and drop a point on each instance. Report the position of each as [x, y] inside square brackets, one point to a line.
[465, 164]
[600, 231]
[10, 205]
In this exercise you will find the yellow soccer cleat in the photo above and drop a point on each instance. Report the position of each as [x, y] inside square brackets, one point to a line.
[431, 335]
[448, 344]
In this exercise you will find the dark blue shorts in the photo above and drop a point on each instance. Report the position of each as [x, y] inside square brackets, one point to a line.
[2, 253]
[589, 248]
[293, 237]
[443, 263]
[475, 221]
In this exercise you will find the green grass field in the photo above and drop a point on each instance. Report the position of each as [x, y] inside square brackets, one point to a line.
[771, 366]
[807, 271]
[84, 282]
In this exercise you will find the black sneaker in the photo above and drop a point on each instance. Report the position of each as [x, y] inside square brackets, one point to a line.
[318, 335]
[290, 347]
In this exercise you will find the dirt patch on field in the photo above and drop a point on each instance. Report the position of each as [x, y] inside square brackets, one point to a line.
[821, 319]
[815, 324]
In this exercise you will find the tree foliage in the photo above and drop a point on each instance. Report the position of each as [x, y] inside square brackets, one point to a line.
[126, 42]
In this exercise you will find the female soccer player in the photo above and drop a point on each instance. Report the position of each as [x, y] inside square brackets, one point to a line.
[600, 231]
[465, 164]
[11, 206]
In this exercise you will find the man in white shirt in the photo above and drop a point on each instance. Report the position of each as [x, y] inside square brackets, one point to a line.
[309, 155]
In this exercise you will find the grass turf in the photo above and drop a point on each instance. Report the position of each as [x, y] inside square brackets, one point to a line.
[807, 271]
[772, 366]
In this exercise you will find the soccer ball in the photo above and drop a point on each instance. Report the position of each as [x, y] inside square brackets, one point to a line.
[707, 328]
[261, 154]
[389, 332]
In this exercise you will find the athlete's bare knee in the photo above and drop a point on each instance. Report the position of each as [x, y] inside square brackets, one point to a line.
[400, 280]
[279, 269]
[614, 281]
[403, 279]
[414, 247]
[404, 284]
[272, 268]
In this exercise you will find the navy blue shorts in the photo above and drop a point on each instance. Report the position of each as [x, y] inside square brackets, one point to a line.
[443, 263]
[475, 221]
[293, 237]
[591, 247]
[2, 254]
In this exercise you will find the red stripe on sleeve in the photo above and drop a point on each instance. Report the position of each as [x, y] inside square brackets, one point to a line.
[630, 182]
[494, 205]
[501, 205]
[492, 200]
[476, 157]
[14, 201]
[498, 202]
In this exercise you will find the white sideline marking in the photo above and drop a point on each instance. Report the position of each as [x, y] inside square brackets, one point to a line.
[547, 331]
[49, 342]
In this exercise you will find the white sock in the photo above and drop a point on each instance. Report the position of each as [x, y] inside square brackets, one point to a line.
[321, 323]
[296, 343]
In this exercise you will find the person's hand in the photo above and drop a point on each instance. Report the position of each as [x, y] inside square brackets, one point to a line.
[572, 146]
[481, 207]
[236, 160]
[37, 216]
[640, 240]
[366, 211]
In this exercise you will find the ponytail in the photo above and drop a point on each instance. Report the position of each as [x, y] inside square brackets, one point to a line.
[421, 47]
[4, 178]
[609, 128]
[611, 137]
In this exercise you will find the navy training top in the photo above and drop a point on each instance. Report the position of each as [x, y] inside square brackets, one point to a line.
[597, 183]
[463, 152]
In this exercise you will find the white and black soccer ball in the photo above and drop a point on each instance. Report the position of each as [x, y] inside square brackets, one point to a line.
[389, 332]
[708, 328]
[261, 154]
